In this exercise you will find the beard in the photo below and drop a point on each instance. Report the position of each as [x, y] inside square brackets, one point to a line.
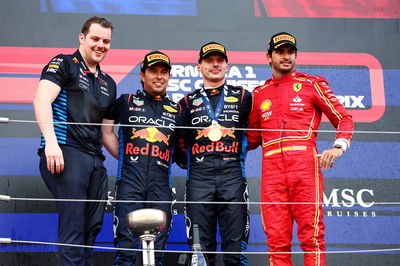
[283, 69]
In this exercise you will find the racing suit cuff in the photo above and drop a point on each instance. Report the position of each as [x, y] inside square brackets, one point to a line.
[344, 144]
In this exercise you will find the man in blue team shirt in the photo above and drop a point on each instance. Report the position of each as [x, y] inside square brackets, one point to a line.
[74, 89]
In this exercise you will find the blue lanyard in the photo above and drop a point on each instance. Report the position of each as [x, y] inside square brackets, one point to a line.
[220, 106]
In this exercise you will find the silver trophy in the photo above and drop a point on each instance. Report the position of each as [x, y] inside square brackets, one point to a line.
[147, 223]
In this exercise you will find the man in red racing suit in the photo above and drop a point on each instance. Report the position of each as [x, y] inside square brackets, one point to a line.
[290, 106]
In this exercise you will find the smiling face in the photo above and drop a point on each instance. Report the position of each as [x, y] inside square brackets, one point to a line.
[155, 79]
[95, 44]
[213, 68]
[282, 60]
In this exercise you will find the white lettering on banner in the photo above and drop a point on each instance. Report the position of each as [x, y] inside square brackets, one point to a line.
[186, 78]
[247, 84]
[188, 85]
[351, 213]
[349, 199]
[351, 101]
[360, 198]
[177, 71]
[185, 71]
[250, 73]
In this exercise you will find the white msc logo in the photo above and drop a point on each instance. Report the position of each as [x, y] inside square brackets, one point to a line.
[349, 198]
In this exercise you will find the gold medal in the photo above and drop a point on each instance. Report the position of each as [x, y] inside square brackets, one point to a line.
[214, 134]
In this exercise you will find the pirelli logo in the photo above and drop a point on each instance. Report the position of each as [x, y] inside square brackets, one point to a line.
[284, 37]
[157, 57]
[213, 47]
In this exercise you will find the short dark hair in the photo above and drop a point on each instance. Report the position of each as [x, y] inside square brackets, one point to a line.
[96, 20]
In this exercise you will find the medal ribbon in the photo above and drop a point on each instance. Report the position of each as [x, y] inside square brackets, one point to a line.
[214, 115]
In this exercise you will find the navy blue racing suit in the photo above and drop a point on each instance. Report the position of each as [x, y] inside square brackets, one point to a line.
[145, 157]
[216, 171]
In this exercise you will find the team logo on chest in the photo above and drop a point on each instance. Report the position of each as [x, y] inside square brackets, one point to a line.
[151, 134]
[297, 87]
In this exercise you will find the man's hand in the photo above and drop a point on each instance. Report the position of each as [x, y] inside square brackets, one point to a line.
[46, 92]
[328, 157]
[54, 158]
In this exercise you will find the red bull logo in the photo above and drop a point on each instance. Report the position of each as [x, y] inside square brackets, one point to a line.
[217, 146]
[214, 91]
[151, 134]
[225, 132]
[154, 151]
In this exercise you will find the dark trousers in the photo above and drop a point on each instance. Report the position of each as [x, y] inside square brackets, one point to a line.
[84, 177]
[232, 219]
[130, 189]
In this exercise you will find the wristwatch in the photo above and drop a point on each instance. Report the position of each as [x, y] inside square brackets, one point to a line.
[340, 146]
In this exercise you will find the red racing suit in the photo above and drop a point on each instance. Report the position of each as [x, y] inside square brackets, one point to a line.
[291, 107]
